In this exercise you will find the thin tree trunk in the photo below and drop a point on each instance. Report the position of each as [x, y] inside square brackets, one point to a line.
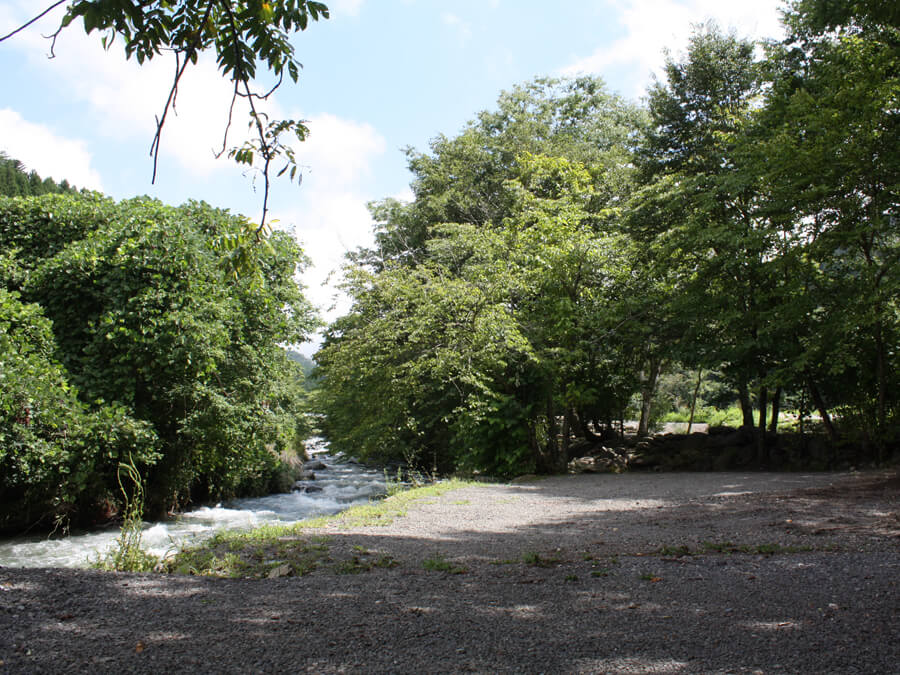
[648, 388]
[746, 406]
[776, 410]
[694, 399]
[552, 449]
[761, 431]
[819, 402]
[881, 376]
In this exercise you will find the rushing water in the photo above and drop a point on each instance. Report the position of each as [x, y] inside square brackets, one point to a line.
[340, 485]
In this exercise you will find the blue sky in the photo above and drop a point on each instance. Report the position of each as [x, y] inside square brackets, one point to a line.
[378, 76]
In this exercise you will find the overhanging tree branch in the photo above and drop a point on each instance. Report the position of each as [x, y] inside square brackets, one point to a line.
[34, 20]
[240, 32]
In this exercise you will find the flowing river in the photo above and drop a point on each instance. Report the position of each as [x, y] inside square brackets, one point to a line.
[335, 488]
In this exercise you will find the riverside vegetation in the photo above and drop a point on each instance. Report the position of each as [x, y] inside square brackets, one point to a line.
[571, 260]
[143, 331]
[568, 261]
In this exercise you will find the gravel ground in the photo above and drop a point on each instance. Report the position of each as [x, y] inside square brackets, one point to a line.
[638, 573]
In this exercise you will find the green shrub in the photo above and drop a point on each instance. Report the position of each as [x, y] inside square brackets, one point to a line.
[136, 326]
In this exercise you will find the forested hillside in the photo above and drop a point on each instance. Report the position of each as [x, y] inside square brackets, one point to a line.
[568, 248]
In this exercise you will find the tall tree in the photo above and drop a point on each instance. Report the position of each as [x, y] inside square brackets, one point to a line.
[701, 207]
[149, 318]
[832, 124]
[463, 179]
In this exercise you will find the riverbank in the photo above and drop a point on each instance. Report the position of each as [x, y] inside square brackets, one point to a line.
[338, 486]
[643, 573]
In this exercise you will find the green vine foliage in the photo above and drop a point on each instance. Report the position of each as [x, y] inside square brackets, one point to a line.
[57, 454]
[126, 329]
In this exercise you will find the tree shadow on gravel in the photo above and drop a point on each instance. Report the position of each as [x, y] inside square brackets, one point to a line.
[574, 606]
[600, 516]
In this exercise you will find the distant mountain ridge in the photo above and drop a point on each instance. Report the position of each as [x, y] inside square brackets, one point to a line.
[305, 362]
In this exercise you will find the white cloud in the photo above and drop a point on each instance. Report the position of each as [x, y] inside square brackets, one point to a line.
[330, 217]
[338, 152]
[405, 195]
[41, 150]
[462, 28]
[345, 7]
[128, 97]
[650, 26]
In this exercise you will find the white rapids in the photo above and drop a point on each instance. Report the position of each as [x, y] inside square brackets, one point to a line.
[341, 485]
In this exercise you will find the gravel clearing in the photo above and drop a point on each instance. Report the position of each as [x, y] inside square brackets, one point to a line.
[637, 573]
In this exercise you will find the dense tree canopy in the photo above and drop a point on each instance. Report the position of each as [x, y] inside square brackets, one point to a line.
[498, 281]
[567, 248]
[129, 336]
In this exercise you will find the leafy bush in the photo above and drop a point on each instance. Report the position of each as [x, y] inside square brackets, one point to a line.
[57, 455]
[151, 328]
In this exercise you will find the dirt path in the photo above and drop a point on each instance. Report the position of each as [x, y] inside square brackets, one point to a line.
[639, 573]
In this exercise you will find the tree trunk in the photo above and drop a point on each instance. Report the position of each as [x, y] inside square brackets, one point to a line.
[589, 435]
[648, 388]
[694, 399]
[819, 402]
[761, 431]
[609, 428]
[746, 406]
[776, 410]
[881, 378]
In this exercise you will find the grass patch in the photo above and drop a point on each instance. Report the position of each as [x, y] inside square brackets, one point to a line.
[251, 554]
[761, 549]
[728, 548]
[439, 564]
[255, 553]
[598, 571]
[384, 512]
[674, 551]
[536, 560]
[772, 549]
[652, 578]
[725, 417]
[358, 564]
[714, 417]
